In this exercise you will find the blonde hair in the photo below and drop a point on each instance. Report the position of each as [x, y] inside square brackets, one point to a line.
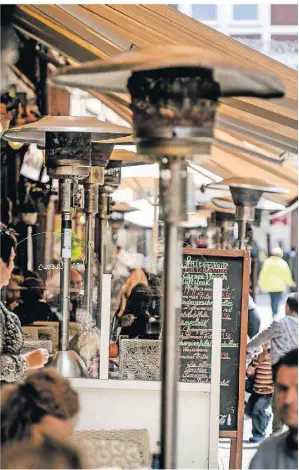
[137, 276]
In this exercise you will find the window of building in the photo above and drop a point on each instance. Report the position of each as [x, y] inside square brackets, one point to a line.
[238, 37]
[254, 41]
[284, 43]
[205, 12]
[284, 15]
[245, 12]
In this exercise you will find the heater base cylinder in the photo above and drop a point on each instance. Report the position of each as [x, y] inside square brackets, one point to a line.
[69, 364]
[242, 225]
[245, 213]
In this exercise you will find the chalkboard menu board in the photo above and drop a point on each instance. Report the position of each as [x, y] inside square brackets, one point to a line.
[200, 267]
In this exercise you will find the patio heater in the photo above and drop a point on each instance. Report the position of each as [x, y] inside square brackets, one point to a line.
[103, 179]
[174, 93]
[246, 193]
[112, 178]
[67, 142]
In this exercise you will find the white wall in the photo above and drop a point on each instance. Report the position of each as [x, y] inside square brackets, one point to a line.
[121, 408]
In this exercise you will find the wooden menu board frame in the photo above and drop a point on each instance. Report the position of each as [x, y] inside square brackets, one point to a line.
[235, 461]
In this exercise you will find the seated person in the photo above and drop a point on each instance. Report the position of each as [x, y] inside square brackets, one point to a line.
[13, 294]
[34, 306]
[136, 276]
[135, 318]
[76, 298]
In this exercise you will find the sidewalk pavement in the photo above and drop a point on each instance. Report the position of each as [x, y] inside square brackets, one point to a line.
[249, 449]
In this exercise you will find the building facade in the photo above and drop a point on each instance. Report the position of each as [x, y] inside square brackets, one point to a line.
[271, 29]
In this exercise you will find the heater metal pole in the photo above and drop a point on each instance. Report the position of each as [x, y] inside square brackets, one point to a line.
[29, 248]
[244, 214]
[242, 224]
[103, 216]
[170, 338]
[66, 245]
[103, 219]
[91, 207]
[172, 175]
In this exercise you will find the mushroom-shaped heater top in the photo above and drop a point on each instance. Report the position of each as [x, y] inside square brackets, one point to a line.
[123, 207]
[112, 74]
[68, 141]
[263, 204]
[35, 132]
[246, 191]
[174, 92]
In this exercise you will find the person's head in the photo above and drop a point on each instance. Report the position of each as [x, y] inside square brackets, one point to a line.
[13, 292]
[292, 304]
[76, 280]
[45, 400]
[285, 378]
[27, 274]
[139, 300]
[50, 452]
[278, 252]
[7, 251]
[34, 290]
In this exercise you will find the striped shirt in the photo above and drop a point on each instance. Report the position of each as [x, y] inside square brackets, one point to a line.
[283, 335]
[263, 383]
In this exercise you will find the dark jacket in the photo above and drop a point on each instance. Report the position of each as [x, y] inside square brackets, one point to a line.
[138, 305]
[35, 311]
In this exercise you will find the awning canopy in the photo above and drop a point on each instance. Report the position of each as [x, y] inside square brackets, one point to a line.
[269, 128]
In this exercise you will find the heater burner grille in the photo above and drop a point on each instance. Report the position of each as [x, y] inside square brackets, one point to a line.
[100, 154]
[68, 154]
[163, 100]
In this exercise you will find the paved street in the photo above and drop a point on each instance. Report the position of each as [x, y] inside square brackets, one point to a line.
[263, 304]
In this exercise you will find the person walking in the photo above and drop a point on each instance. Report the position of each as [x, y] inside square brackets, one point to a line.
[275, 277]
[260, 371]
[281, 450]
